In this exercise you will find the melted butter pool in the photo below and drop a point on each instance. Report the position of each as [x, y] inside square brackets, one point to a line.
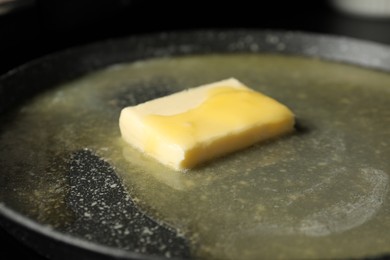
[321, 192]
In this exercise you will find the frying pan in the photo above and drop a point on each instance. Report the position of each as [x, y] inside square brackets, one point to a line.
[96, 239]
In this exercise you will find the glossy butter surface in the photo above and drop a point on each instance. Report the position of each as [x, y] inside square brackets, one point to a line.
[190, 127]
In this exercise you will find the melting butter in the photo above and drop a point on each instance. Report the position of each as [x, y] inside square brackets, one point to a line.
[229, 117]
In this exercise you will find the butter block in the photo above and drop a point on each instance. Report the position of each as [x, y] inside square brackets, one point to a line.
[187, 128]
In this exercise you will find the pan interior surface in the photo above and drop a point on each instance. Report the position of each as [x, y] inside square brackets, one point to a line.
[321, 192]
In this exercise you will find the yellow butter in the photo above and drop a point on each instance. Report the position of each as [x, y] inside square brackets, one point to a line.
[188, 128]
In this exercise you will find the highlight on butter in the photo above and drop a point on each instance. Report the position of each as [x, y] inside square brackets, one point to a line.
[187, 128]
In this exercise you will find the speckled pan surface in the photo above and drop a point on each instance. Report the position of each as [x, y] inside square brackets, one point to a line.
[78, 205]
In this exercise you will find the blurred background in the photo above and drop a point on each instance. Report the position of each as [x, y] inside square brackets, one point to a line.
[30, 29]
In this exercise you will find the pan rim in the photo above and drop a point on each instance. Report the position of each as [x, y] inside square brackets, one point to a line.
[168, 34]
[49, 232]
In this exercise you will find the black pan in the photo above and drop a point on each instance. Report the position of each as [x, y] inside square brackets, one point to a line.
[95, 239]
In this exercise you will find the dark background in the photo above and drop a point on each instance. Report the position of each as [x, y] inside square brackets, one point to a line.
[41, 27]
